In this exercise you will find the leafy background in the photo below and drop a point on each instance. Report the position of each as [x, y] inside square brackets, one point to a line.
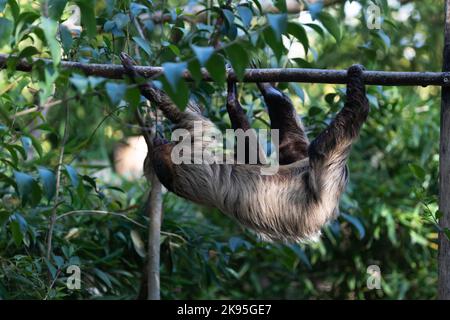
[52, 116]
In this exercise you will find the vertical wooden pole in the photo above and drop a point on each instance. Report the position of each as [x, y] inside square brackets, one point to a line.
[444, 171]
[154, 237]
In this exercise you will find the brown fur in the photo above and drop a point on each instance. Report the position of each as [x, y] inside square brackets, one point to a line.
[291, 205]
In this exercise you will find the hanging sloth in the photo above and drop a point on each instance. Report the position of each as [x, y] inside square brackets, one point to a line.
[289, 206]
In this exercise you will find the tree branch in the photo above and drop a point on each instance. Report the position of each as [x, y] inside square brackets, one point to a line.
[385, 78]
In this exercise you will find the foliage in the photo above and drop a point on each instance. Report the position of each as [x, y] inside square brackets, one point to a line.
[58, 129]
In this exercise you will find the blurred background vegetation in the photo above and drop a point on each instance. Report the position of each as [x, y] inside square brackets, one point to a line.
[387, 214]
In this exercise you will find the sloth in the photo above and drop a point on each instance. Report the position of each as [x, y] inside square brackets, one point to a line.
[291, 205]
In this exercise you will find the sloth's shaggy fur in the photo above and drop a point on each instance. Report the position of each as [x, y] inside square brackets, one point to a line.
[291, 205]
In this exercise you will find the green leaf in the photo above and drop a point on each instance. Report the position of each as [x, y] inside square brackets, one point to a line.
[24, 184]
[216, 68]
[4, 215]
[356, 223]
[301, 255]
[315, 9]
[73, 175]
[246, 15]
[373, 100]
[50, 28]
[229, 16]
[48, 180]
[281, 5]
[385, 38]
[236, 242]
[21, 149]
[51, 268]
[316, 28]
[18, 226]
[16, 232]
[298, 31]
[95, 81]
[2, 5]
[26, 144]
[278, 23]
[66, 38]
[314, 111]
[115, 91]
[56, 8]
[331, 24]
[103, 276]
[274, 43]
[203, 54]
[87, 8]
[80, 82]
[143, 45]
[298, 91]
[138, 243]
[37, 145]
[447, 233]
[180, 96]
[195, 71]
[28, 52]
[136, 8]
[6, 28]
[15, 9]
[133, 96]
[59, 261]
[239, 59]
[418, 171]
[173, 73]
[121, 20]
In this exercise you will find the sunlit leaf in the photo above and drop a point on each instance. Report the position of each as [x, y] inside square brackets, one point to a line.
[278, 23]
[174, 72]
[298, 31]
[203, 54]
[246, 15]
[330, 23]
[50, 28]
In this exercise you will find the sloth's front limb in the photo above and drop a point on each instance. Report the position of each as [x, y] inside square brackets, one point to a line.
[283, 117]
[153, 94]
[237, 115]
[241, 124]
[328, 153]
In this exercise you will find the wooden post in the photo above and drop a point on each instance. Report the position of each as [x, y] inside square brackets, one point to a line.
[154, 238]
[444, 171]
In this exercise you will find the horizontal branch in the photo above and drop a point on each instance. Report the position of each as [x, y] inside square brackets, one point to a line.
[385, 78]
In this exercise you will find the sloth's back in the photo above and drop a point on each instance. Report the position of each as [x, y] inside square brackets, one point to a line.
[277, 207]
